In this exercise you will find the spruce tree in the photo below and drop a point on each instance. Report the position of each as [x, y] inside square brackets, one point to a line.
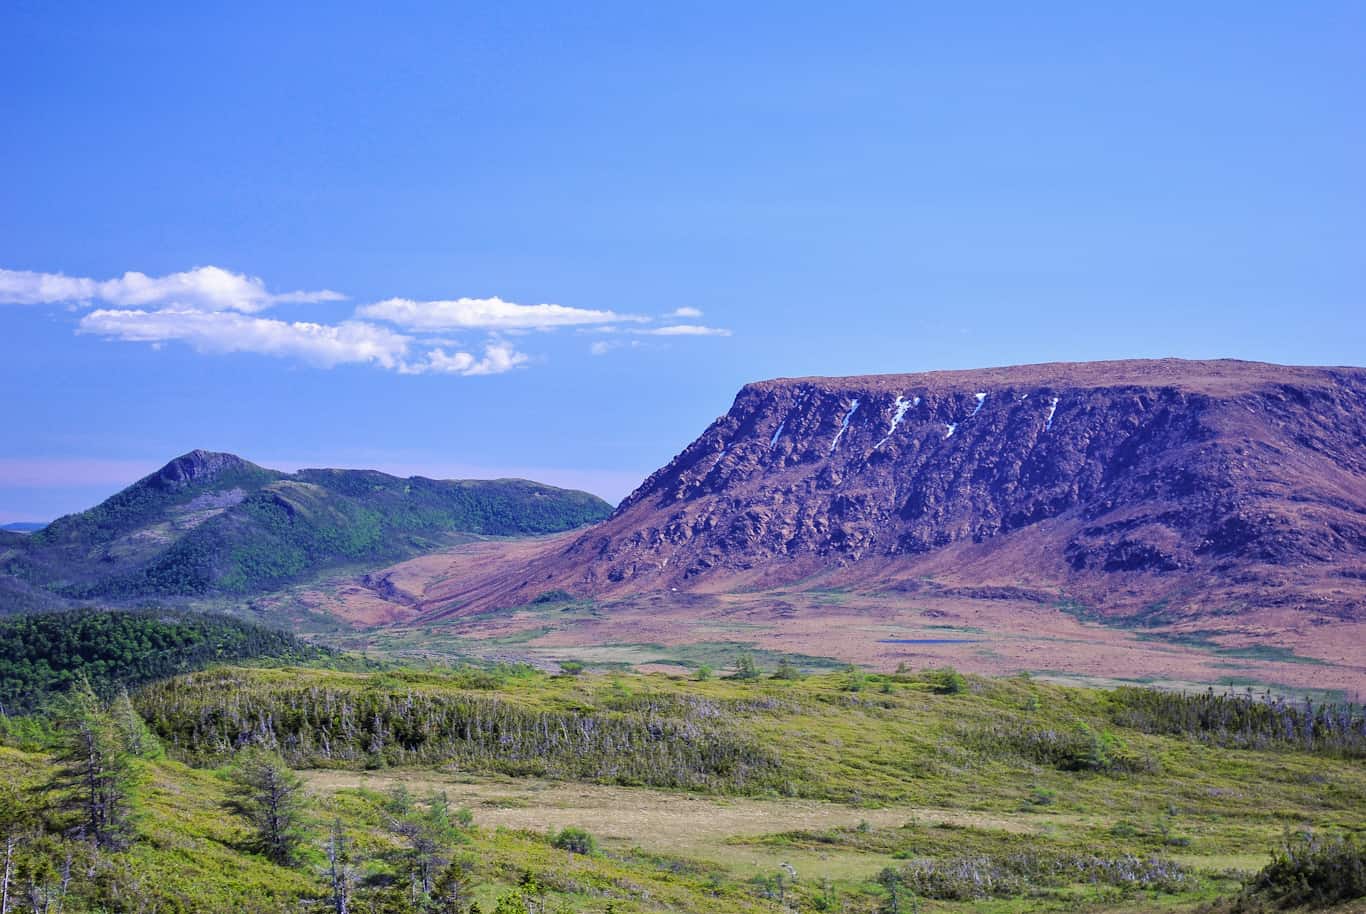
[96, 774]
[270, 796]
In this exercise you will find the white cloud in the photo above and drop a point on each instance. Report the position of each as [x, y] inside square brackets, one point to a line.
[498, 358]
[205, 288]
[684, 330]
[215, 310]
[602, 347]
[484, 314]
[21, 287]
[323, 345]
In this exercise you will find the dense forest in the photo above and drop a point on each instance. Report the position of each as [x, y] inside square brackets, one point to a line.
[46, 653]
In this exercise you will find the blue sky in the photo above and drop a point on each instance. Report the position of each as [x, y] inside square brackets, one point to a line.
[824, 188]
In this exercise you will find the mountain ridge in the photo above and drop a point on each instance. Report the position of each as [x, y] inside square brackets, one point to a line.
[214, 523]
[1197, 485]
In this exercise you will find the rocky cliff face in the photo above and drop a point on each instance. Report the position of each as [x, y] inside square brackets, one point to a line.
[1092, 478]
[199, 465]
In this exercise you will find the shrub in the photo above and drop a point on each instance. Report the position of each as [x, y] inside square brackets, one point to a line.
[1310, 869]
[786, 670]
[1006, 875]
[947, 681]
[746, 668]
[1079, 748]
[575, 840]
[571, 667]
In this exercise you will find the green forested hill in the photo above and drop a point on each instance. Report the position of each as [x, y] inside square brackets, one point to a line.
[210, 523]
[43, 654]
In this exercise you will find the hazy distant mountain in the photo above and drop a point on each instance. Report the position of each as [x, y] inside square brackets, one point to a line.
[1148, 489]
[212, 523]
[22, 527]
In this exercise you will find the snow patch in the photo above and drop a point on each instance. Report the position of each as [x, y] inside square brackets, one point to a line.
[981, 398]
[952, 427]
[773, 442]
[1048, 419]
[844, 425]
[902, 406]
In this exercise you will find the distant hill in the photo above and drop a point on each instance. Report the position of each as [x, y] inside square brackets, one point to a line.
[211, 523]
[1149, 491]
[22, 527]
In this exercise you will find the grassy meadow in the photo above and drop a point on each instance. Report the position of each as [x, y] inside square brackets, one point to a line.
[843, 791]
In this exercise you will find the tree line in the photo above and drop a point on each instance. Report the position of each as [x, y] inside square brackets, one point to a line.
[659, 741]
[1245, 720]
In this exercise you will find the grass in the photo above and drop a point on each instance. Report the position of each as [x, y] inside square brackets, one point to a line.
[1155, 615]
[894, 778]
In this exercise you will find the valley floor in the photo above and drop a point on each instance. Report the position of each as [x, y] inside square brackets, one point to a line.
[750, 837]
[820, 628]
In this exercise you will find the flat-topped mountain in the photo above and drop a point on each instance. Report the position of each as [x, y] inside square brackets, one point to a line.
[211, 523]
[1164, 487]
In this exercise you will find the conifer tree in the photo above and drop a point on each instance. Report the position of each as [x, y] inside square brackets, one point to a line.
[270, 796]
[96, 775]
[454, 888]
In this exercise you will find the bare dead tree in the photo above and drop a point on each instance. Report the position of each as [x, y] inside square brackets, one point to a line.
[341, 870]
[11, 843]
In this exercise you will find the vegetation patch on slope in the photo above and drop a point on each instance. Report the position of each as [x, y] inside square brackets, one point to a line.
[46, 653]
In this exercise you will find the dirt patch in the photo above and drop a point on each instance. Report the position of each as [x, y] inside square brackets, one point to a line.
[661, 821]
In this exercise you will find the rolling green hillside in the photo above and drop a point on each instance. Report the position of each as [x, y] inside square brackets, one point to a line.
[516, 792]
[208, 524]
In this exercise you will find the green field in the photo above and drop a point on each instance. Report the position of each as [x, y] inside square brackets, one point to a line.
[842, 791]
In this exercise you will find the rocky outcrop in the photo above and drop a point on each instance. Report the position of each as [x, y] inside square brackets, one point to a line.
[199, 465]
[1074, 477]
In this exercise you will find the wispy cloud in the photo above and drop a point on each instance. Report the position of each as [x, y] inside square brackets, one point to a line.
[683, 330]
[602, 347]
[203, 288]
[321, 345]
[498, 358]
[215, 310]
[324, 345]
[484, 314]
